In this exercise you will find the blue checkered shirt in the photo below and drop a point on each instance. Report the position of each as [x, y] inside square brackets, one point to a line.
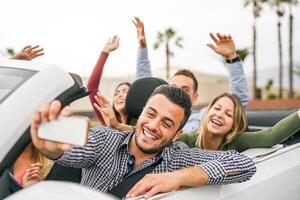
[106, 160]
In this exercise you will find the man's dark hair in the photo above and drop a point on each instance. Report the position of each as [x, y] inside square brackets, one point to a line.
[178, 97]
[188, 73]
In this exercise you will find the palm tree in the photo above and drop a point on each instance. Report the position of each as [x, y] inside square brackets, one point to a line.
[291, 3]
[257, 7]
[280, 13]
[243, 53]
[297, 71]
[163, 38]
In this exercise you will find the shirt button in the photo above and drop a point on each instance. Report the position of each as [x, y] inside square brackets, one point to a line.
[130, 162]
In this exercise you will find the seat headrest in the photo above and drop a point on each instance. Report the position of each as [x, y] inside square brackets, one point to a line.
[139, 93]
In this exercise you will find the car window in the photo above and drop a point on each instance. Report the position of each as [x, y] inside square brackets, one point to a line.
[11, 79]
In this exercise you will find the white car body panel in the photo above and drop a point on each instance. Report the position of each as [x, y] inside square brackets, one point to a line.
[54, 190]
[33, 93]
[277, 177]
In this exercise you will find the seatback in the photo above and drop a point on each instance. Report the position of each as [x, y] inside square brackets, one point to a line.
[139, 93]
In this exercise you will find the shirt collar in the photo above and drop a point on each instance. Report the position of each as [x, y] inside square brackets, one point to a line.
[126, 141]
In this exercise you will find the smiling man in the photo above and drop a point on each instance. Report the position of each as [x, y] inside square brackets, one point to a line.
[110, 156]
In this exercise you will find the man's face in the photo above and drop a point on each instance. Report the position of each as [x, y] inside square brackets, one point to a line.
[186, 84]
[158, 124]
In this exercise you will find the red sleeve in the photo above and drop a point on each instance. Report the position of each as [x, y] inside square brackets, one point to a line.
[94, 82]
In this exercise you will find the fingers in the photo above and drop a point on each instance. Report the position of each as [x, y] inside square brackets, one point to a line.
[33, 170]
[66, 111]
[37, 164]
[153, 191]
[45, 111]
[101, 100]
[32, 52]
[34, 173]
[26, 48]
[224, 36]
[134, 22]
[212, 46]
[213, 37]
[35, 47]
[54, 109]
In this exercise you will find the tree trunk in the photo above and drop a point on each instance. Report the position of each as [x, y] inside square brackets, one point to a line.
[255, 91]
[280, 57]
[168, 60]
[291, 70]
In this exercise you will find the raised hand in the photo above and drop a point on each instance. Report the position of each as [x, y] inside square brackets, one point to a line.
[112, 44]
[224, 45]
[140, 32]
[29, 52]
[32, 175]
[49, 111]
[105, 108]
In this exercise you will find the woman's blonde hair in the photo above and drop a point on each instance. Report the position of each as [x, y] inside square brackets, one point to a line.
[45, 162]
[239, 120]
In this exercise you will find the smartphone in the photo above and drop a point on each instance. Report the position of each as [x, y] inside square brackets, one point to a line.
[71, 130]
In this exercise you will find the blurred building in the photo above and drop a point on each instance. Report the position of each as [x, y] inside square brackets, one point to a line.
[210, 85]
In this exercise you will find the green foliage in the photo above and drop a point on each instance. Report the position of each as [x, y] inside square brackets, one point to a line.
[269, 84]
[256, 5]
[243, 53]
[165, 37]
[10, 51]
[272, 95]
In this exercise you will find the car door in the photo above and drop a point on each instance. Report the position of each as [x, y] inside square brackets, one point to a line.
[24, 86]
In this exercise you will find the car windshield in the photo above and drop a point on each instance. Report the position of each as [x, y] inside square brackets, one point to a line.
[11, 79]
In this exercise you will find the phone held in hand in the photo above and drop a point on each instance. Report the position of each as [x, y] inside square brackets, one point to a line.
[71, 130]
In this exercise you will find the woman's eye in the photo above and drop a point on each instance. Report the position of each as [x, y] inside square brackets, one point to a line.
[217, 108]
[229, 115]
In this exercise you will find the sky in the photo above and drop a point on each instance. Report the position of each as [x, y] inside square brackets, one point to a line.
[73, 32]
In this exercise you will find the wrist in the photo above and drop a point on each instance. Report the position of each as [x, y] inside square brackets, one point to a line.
[231, 56]
[143, 44]
[106, 51]
[233, 60]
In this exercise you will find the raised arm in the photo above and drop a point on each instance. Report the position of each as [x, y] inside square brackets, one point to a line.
[268, 137]
[94, 80]
[224, 46]
[29, 52]
[143, 63]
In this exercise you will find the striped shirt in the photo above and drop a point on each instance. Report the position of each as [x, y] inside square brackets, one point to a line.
[106, 160]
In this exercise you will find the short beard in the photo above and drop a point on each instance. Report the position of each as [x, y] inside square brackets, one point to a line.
[151, 151]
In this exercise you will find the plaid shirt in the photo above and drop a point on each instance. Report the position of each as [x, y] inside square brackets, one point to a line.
[106, 160]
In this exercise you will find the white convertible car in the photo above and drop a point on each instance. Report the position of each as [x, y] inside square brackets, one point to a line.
[24, 86]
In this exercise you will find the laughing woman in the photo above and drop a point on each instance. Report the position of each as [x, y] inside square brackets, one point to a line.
[224, 124]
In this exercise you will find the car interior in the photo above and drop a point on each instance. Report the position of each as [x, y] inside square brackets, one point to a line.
[137, 97]
[7, 181]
